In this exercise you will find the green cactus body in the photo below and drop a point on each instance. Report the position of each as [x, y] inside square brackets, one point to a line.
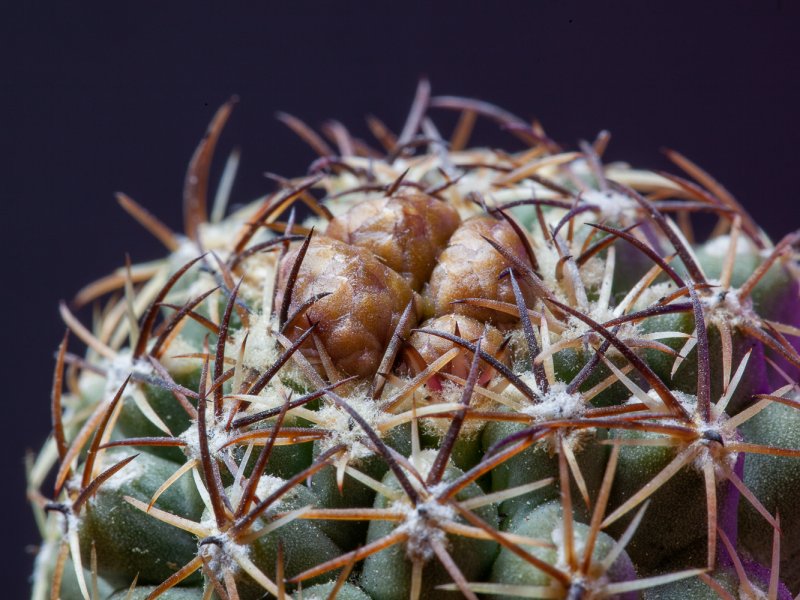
[684, 378]
[134, 423]
[773, 480]
[387, 575]
[545, 522]
[354, 493]
[128, 542]
[568, 363]
[541, 462]
[285, 460]
[303, 543]
[683, 495]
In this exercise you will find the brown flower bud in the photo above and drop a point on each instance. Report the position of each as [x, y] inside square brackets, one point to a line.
[470, 268]
[407, 232]
[356, 320]
[430, 347]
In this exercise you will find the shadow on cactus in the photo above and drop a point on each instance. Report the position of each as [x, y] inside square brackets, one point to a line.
[426, 369]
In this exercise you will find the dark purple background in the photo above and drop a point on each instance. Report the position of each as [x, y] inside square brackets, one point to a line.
[96, 100]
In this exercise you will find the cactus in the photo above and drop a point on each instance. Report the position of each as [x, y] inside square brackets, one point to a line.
[430, 370]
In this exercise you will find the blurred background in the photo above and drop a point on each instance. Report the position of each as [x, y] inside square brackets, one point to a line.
[114, 98]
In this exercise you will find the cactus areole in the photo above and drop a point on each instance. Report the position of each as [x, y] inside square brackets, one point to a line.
[428, 369]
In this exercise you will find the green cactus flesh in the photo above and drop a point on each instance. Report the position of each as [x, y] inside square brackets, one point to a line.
[430, 371]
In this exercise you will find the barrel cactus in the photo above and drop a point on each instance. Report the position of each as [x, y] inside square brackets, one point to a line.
[430, 370]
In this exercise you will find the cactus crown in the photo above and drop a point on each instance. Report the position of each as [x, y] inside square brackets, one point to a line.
[464, 370]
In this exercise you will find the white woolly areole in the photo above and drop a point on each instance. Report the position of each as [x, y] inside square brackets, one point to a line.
[268, 485]
[198, 283]
[653, 293]
[451, 392]
[556, 403]
[215, 431]
[120, 367]
[186, 251]
[713, 452]
[192, 438]
[581, 170]
[222, 553]
[423, 525]
[345, 430]
[262, 349]
[727, 307]
[548, 258]
[688, 401]
[575, 328]
[218, 239]
[613, 206]
[73, 522]
[214, 237]
[514, 394]
[592, 272]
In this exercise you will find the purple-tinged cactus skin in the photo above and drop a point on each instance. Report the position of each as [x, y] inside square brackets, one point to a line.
[428, 369]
